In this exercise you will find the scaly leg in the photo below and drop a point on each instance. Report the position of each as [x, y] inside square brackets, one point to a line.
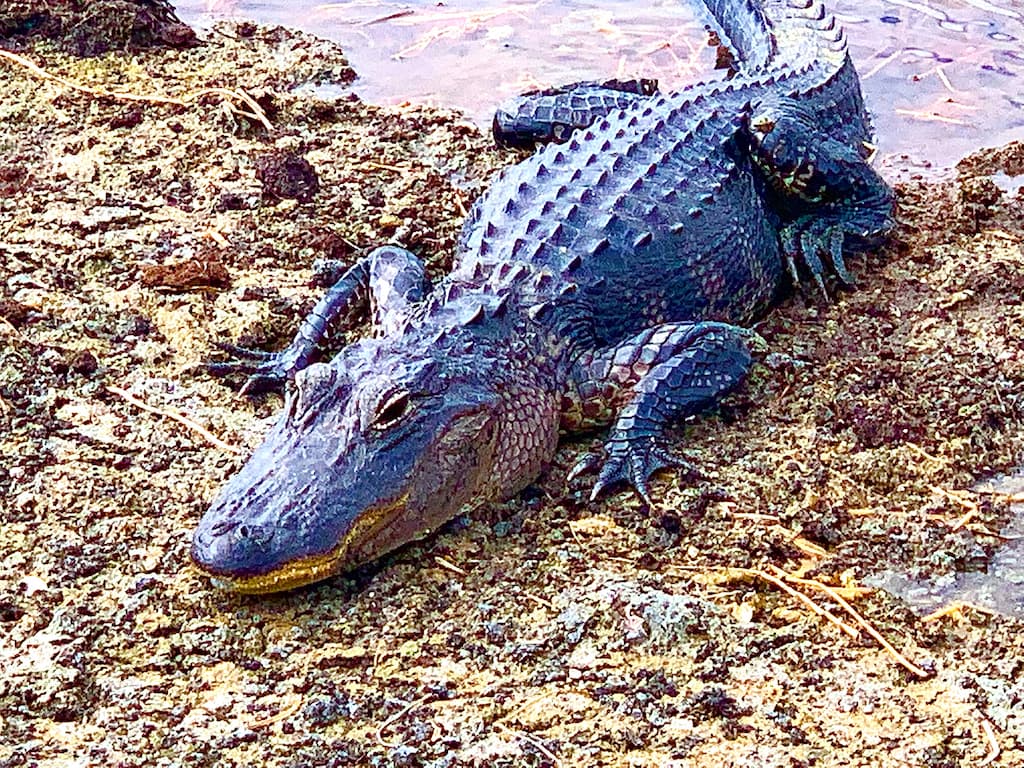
[389, 279]
[647, 383]
[824, 189]
[553, 114]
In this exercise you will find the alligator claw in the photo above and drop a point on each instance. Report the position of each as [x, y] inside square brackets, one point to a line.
[266, 370]
[243, 353]
[806, 243]
[631, 461]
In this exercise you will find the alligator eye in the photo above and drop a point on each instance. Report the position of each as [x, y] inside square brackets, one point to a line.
[391, 410]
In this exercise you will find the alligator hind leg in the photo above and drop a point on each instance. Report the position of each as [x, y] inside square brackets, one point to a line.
[647, 383]
[824, 189]
[553, 114]
[385, 282]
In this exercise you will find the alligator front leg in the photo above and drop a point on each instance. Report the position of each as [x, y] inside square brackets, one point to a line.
[646, 384]
[553, 114]
[385, 282]
[824, 189]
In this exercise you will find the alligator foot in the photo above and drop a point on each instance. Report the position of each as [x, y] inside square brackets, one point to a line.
[394, 278]
[805, 243]
[265, 371]
[632, 461]
[651, 381]
[824, 189]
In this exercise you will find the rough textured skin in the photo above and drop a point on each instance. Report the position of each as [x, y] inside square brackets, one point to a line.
[602, 281]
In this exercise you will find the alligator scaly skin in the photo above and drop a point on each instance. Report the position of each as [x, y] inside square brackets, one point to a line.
[602, 281]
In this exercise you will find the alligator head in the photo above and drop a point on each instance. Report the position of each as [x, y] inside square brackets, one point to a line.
[372, 450]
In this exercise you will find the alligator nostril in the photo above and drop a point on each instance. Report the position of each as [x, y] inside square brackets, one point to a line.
[257, 535]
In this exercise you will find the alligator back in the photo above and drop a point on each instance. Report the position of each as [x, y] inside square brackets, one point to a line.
[654, 213]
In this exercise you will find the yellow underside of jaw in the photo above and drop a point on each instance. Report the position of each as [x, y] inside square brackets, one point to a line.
[307, 570]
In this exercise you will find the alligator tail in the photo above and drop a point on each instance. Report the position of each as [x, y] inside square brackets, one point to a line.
[747, 31]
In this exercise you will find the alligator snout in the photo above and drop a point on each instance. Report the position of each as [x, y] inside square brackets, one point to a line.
[223, 545]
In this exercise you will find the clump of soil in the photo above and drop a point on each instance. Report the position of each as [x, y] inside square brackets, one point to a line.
[287, 176]
[97, 26]
[545, 630]
[193, 273]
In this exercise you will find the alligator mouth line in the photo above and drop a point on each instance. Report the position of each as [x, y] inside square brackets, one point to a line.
[306, 570]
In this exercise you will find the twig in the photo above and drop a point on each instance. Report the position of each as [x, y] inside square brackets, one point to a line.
[993, 743]
[864, 624]
[970, 506]
[236, 94]
[880, 66]
[389, 17]
[398, 716]
[181, 419]
[941, 74]
[532, 741]
[387, 166]
[824, 612]
[923, 453]
[929, 117]
[285, 712]
[956, 608]
[449, 565]
[539, 600]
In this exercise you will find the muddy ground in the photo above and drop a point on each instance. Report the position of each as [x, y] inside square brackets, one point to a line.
[540, 631]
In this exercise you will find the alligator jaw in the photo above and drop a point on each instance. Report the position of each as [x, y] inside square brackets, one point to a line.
[357, 546]
[288, 576]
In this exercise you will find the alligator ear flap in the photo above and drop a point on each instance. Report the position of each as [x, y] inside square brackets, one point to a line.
[463, 458]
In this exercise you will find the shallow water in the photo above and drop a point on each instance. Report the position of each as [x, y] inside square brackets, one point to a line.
[942, 78]
[999, 588]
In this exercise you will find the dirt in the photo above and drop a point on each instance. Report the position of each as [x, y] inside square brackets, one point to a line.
[94, 27]
[546, 630]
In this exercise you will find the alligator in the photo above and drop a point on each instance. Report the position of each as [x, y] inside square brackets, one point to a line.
[608, 279]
